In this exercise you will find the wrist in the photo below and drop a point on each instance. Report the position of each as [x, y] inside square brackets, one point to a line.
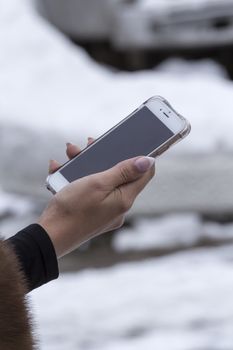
[55, 231]
[60, 232]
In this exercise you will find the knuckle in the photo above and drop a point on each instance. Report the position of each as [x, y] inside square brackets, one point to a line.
[125, 174]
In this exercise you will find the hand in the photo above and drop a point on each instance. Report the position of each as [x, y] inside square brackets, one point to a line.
[88, 206]
[72, 151]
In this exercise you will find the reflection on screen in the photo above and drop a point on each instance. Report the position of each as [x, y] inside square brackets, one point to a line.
[139, 135]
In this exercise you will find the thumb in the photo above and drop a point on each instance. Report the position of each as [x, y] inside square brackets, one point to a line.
[127, 171]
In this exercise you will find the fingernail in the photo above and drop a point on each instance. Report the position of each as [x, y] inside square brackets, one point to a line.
[144, 163]
[50, 163]
[68, 144]
[89, 138]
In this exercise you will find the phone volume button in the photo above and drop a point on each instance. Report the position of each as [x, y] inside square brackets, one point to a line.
[163, 149]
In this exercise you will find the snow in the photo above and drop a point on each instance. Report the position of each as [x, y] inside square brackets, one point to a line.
[11, 203]
[49, 84]
[171, 4]
[170, 231]
[182, 302]
[167, 231]
[179, 67]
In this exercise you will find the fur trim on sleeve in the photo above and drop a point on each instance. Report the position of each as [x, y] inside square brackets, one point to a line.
[15, 322]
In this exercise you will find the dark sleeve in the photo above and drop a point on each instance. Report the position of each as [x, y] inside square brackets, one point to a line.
[36, 255]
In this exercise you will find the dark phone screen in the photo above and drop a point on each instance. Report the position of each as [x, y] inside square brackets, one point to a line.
[138, 135]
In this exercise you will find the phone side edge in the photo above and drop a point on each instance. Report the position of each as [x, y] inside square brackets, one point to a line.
[48, 185]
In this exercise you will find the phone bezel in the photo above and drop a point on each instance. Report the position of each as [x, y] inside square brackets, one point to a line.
[161, 109]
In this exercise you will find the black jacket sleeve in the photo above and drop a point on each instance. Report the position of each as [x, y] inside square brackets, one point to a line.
[36, 255]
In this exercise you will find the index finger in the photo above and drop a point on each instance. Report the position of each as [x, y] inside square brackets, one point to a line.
[53, 166]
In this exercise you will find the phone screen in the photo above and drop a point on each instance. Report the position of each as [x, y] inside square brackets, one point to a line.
[138, 135]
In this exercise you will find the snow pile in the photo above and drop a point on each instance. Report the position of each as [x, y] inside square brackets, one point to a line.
[167, 231]
[170, 231]
[12, 204]
[48, 83]
[179, 303]
[179, 67]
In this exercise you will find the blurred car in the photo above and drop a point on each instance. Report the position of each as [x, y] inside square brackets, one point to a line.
[144, 24]
[186, 24]
[85, 20]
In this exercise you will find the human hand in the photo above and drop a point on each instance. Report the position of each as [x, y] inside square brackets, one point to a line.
[71, 152]
[90, 205]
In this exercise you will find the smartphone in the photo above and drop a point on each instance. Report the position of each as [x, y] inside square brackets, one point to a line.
[148, 131]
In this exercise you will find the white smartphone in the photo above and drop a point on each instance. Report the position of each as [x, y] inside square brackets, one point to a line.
[150, 130]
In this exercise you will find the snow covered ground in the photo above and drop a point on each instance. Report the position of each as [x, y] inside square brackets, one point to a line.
[183, 302]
